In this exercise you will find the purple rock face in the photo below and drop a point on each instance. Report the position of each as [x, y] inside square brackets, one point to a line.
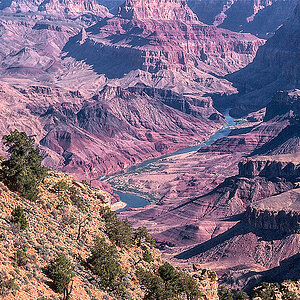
[261, 18]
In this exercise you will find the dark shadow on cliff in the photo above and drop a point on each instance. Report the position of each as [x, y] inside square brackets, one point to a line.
[239, 229]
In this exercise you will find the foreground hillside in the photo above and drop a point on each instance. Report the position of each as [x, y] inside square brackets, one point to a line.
[58, 222]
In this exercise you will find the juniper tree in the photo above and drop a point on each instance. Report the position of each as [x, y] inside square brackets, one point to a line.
[23, 170]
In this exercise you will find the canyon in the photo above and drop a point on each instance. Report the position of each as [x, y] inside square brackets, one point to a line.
[67, 75]
[103, 91]
[261, 18]
[221, 199]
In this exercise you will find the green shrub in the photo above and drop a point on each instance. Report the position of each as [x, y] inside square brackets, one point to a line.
[224, 293]
[59, 187]
[212, 275]
[60, 271]
[240, 295]
[154, 284]
[104, 262]
[147, 257]
[269, 291]
[85, 183]
[75, 198]
[168, 284]
[21, 257]
[7, 286]
[23, 171]
[18, 217]
[120, 232]
[142, 235]
[266, 291]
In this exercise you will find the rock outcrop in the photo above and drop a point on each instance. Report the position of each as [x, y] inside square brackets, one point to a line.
[176, 10]
[284, 166]
[280, 213]
[64, 8]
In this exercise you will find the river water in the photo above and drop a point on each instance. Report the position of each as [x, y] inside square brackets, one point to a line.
[134, 201]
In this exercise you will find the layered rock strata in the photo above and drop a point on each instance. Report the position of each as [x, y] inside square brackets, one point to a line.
[164, 48]
[281, 213]
[284, 166]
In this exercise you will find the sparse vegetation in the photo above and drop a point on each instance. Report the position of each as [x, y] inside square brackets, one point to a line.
[142, 235]
[168, 283]
[75, 198]
[23, 171]
[147, 257]
[21, 256]
[270, 291]
[7, 285]
[240, 295]
[59, 187]
[225, 293]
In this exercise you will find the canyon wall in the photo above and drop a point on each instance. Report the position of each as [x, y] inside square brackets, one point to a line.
[281, 213]
[259, 17]
[285, 166]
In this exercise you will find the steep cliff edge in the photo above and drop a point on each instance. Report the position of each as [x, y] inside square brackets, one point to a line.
[281, 213]
[284, 166]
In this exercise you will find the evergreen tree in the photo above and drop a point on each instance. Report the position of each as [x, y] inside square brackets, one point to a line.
[105, 263]
[23, 170]
[60, 271]
[18, 217]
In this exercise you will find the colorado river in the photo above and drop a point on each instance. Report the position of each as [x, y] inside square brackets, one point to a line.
[134, 201]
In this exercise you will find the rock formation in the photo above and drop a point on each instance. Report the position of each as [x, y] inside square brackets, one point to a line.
[284, 166]
[280, 213]
[65, 8]
[165, 48]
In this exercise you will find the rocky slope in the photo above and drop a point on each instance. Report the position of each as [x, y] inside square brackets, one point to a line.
[58, 225]
[261, 18]
[116, 128]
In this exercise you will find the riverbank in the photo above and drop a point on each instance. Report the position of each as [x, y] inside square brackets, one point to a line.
[134, 185]
[120, 205]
